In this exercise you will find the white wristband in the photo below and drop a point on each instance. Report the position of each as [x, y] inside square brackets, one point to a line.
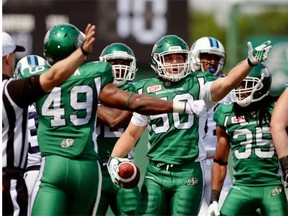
[179, 106]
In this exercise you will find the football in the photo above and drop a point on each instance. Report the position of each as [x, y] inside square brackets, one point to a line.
[129, 174]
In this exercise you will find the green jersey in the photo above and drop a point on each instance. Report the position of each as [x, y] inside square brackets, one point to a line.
[67, 115]
[255, 161]
[107, 138]
[175, 138]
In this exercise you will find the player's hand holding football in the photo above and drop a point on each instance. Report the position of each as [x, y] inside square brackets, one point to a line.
[259, 54]
[112, 166]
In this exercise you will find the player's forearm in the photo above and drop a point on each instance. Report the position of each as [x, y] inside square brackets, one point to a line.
[222, 86]
[281, 143]
[113, 118]
[103, 114]
[125, 143]
[279, 125]
[122, 147]
[218, 174]
[143, 104]
[280, 136]
[61, 71]
[147, 105]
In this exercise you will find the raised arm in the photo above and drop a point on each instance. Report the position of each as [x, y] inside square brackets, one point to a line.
[63, 69]
[222, 86]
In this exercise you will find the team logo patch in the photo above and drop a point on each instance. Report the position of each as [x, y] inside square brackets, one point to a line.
[192, 181]
[67, 143]
[276, 191]
[154, 88]
[235, 120]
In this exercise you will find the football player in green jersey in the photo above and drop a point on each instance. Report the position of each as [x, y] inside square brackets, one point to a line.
[17, 95]
[173, 182]
[111, 123]
[69, 173]
[244, 127]
[279, 125]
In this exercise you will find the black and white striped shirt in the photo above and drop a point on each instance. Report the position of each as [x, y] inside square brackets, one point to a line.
[17, 95]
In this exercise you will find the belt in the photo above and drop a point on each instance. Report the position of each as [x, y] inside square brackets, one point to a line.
[12, 172]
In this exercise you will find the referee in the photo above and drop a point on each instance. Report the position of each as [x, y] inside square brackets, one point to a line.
[17, 95]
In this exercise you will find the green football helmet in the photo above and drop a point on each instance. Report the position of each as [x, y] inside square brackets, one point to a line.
[254, 87]
[60, 41]
[167, 45]
[124, 70]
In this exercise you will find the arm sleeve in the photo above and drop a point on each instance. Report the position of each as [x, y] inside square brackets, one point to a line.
[139, 120]
[206, 95]
[25, 91]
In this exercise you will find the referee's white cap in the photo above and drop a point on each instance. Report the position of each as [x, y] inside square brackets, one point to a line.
[9, 45]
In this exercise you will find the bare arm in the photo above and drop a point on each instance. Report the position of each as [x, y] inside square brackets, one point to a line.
[63, 69]
[219, 167]
[127, 140]
[114, 118]
[222, 86]
[279, 125]
[144, 104]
